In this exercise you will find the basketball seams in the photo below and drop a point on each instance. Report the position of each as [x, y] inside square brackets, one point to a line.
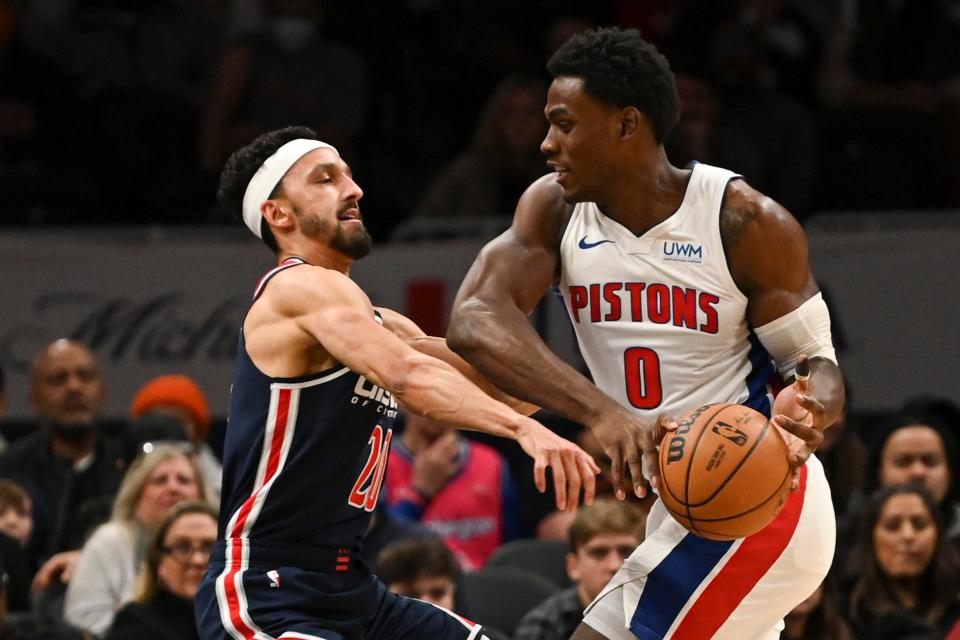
[752, 509]
[693, 456]
[733, 472]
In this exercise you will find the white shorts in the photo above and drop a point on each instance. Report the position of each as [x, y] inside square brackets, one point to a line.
[679, 586]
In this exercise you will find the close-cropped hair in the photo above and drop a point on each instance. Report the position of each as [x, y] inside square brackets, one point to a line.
[137, 476]
[939, 584]
[605, 516]
[413, 558]
[620, 68]
[244, 163]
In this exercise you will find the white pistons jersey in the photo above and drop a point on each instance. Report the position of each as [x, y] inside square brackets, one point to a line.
[661, 323]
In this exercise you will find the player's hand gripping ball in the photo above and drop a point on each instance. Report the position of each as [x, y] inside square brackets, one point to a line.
[724, 472]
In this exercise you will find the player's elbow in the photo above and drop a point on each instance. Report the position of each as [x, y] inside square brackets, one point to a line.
[468, 327]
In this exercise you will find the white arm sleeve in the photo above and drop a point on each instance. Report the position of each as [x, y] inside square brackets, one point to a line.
[806, 329]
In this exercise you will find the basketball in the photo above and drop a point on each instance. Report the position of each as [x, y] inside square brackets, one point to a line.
[724, 472]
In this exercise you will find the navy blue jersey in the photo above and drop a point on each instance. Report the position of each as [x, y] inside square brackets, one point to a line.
[304, 458]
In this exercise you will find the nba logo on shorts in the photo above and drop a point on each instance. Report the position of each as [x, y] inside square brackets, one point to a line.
[274, 576]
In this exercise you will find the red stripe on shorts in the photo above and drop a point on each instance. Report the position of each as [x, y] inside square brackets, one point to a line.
[740, 574]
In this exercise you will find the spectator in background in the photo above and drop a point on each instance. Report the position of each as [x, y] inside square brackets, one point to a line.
[459, 489]
[602, 536]
[179, 397]
[270, 79]
[107, 568]
[818, 617]
[503, 158]
[177, 557]
[16, 512]
[67, 464]
[907, 575]
[422, 568]
[917, 447]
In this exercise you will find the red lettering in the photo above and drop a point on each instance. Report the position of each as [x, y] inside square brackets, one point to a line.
[595, 303]
[610, 295]
[658, 303]
[636, 301]
[685, 307]
[578, 300]
[707, 305]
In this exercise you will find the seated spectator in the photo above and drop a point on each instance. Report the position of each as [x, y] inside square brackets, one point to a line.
[421, 568]
[107, 568]
[67, 462]
[459, 489]
[16, 512]
[907, 575]
[177, 558]
[914, 447]
[179, 397]
[502, 160]
[818, 617]
[602, 536]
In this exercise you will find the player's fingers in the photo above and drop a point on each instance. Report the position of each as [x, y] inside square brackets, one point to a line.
[811, 404]
[802, 374]
[795, 481]
[540, 472]
[634, 459]
[559, 479]
[616, 473]
[811, 436]
[574, 483]
[587, 466]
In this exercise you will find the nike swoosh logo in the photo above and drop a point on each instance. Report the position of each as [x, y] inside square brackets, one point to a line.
[590, 245]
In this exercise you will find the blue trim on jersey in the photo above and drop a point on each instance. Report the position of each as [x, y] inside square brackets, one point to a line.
[761, 370]
[672, 582]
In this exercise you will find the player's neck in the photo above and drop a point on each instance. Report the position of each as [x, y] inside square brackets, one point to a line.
[646, 193]
[317, 255]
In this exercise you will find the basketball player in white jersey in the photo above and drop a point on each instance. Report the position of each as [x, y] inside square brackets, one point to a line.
[684, 286]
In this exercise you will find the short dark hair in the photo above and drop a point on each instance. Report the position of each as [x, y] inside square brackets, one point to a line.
[620, 68]
[413, 558]
[245, 162]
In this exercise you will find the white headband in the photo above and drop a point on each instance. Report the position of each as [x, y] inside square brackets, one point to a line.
[269, 175]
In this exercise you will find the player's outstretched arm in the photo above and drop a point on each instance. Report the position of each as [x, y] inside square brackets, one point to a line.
[489, 327]
[408, 331]
[330, 309]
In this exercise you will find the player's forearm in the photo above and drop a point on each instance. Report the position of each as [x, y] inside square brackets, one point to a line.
[435, 389]
[826, 380]
[505, 348]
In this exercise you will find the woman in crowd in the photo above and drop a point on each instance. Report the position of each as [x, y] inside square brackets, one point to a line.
[177, 557]
[907, 579]
[818, 616]
[106, 571]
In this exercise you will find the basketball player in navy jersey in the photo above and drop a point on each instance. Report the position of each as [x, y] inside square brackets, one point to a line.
[320, 373]
[684, 287]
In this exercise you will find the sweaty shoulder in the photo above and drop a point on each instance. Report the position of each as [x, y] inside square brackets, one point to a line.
[306, 288]
[764, 243]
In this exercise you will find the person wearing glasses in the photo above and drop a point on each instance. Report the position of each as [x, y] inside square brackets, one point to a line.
[177, 557]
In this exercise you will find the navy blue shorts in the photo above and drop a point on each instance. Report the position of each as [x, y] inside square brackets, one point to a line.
[289, 603]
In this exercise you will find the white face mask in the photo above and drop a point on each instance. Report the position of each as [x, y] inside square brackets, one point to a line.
[292, 33]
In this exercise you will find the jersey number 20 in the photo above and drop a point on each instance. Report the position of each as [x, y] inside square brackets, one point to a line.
[641, 368]
[367, 487]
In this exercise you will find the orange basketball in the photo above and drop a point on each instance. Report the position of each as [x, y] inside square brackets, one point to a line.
[724, 472]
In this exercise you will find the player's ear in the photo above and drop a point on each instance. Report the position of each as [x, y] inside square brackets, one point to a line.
[277, 214]
[630, 120]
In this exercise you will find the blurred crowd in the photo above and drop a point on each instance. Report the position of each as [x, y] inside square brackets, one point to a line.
[107, 526]
[123, 111]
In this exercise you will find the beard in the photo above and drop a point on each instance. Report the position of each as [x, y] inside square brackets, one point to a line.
[354, 244]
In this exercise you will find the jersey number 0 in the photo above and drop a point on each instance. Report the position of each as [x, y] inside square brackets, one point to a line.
[367, 487]
[641, 368]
